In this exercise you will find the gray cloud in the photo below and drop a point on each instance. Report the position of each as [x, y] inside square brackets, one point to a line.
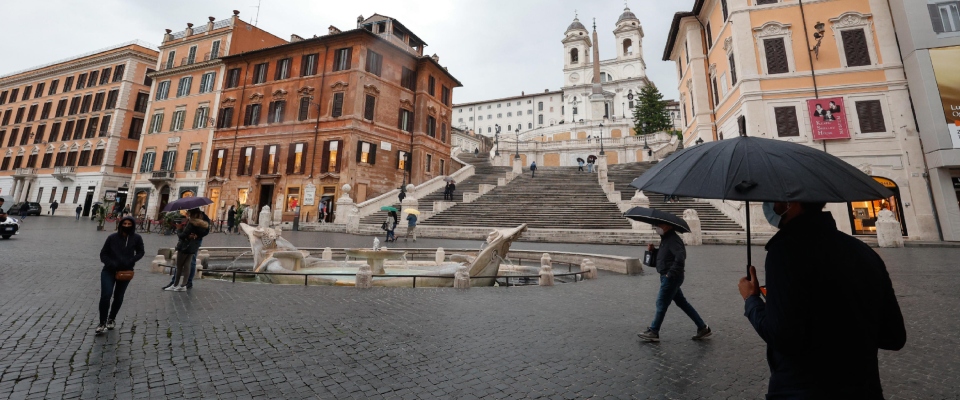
[497, 48]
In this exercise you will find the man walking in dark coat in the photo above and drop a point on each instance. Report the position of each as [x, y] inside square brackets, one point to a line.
[671, 259]
[53, 207]
[829, 307]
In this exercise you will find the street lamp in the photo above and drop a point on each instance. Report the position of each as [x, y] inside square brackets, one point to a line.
[517, 156]
[497, 136]
[644, 133]
[601, 140]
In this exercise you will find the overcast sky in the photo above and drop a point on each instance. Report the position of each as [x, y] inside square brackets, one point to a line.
[496, 48]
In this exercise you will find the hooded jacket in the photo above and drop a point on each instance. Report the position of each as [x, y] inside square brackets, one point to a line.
[830, 306]
[121, 252]
[196, 226]
[672, 254]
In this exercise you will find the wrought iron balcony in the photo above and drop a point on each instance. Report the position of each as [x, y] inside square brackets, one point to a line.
[65, 173]
[158, 177]
[25, 173]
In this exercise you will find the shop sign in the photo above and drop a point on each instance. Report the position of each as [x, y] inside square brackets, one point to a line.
[828, 118]
[110, 195]
[309, 193]
[885, 182]
[945, 61]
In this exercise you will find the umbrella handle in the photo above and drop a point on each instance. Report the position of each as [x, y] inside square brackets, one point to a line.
[749, 249]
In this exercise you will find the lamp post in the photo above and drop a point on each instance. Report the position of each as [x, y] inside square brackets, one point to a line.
[497, 136]
[644, 133]
[601, 140]
[517, 156]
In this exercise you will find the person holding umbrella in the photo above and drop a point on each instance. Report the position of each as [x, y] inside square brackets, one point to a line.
[829, 302]
[670, 260]
[191, 232]
[411, 224]
[390, 225]
[579, 164]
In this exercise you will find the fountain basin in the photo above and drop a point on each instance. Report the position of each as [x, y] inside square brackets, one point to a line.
[375, 258]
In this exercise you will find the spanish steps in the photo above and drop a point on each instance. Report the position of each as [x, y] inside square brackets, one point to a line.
[711, 219]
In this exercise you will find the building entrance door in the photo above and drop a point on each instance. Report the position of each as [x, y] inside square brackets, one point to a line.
[87, 203]
[164, 199]
[266, 194]
[863, 214]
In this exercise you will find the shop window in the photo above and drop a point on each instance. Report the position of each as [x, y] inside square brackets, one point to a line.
[293, 199]
[863, 214]
[242, 195]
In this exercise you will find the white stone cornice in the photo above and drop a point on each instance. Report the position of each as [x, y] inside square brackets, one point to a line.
[75, 66]
[186, 68]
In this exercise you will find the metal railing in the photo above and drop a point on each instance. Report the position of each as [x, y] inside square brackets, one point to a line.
[577, 276]
[25, 172]
[64, 170]
[163, 175]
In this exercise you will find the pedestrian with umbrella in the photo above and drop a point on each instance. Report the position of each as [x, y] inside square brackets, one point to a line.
[190, 234]
[669, 261]
[390, 224]
[411, 224]
[191, 204]
[830, 304]
[579, 164]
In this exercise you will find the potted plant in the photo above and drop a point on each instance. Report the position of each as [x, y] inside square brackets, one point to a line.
[170, 222]
[241, 210]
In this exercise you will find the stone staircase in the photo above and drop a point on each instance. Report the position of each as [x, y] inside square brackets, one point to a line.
[558, 198]
[711, 219]
[484, 173]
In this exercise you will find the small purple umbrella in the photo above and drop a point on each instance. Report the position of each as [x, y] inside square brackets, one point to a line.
[187, 203]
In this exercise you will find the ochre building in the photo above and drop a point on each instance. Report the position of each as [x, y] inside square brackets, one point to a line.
[69, 130]
[297, 121]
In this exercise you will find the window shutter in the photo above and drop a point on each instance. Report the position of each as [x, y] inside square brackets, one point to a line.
[277, 69]
[337, 105]
[242, 161]
[776, 56]
[349, 57]
[247, 113]
[359, 150]
[372, 159]
[855, 47]
[290, 157]
[870, 114]
[786, 121]
[270, 112]
[369, 107]
[304, 111]
[265, 160]
[339, 154]
[935, 17]
[303, 65]
[325, 157]
[400, 120]
[410, 117]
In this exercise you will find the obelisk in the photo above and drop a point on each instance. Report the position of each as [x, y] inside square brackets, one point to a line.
[597, 101]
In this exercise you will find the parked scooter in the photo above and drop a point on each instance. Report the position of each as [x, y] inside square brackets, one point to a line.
[9, 226]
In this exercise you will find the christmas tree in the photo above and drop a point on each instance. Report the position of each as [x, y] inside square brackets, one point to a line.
[650, 115]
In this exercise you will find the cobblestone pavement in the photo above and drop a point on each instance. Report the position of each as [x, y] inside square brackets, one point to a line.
[242, 340]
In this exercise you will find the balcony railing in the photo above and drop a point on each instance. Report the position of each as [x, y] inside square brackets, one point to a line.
[163, 175]
[186, 60]
[64, 173]
[25, 172]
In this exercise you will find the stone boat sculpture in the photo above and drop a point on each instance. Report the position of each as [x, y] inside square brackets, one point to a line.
[274, 254]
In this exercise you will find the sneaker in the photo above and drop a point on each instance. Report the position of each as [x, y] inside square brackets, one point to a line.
[101, 329]
[189, 286]
[179, 289]
[111, 324]
[703, 333]
[649, 336]
[170, 288]
[165, 287]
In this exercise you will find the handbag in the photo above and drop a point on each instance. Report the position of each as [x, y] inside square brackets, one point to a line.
[650, 258]
[383, 226]
[124, 275]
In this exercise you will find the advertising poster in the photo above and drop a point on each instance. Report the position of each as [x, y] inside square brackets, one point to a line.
[828, 118]
[945, 61]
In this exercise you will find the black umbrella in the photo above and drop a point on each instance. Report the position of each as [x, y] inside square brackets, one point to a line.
[580, 159]
[187, 203]
[654, 217]
[756, 169]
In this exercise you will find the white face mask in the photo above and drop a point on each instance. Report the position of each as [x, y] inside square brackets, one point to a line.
[771, 215]
[658, 230]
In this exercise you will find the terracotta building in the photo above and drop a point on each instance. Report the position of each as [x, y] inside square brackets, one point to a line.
[825, 74]
[174, 149]
[362, 107]
[69, 129]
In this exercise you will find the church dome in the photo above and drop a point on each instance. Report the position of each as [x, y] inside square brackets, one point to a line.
[576, 25]
[627, 14]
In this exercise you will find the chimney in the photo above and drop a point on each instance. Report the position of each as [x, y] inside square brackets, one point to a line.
[168, 36]
[210, 24]
[522, 93]
[435, 58]
[189, 30]
[359, 20]
[295, 38]
[332, 30]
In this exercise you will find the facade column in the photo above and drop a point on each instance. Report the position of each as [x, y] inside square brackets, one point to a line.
[16, 189]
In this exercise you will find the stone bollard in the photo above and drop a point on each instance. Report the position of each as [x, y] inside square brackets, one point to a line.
[640, 200]
[546, 270]
[441, 256]
[327, 254]
[888, 230]
[589, 269]
[461, 280]
[203, 262]
[264, 217]
[156, 266]
[695, 236]
[364, 277]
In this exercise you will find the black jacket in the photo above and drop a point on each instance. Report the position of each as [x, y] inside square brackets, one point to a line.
[830, 306]
[196, 226]
[231, 216]
[121, 253]
[672, 254]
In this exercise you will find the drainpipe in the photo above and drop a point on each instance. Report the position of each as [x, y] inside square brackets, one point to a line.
[236, 129]
[706, 70]
[316, 129]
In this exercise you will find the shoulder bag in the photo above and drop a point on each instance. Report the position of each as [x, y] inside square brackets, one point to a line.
[124, 275]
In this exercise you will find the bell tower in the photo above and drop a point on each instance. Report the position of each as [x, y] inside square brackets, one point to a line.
[629, 36]
[576, 48]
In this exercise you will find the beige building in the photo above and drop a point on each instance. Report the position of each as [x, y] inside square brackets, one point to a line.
[69, 129]
[174, 150]
[825, 74]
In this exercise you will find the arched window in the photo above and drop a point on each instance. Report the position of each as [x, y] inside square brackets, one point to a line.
[605, 77]
[574, 56]
[509, 127]
[627, 47]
